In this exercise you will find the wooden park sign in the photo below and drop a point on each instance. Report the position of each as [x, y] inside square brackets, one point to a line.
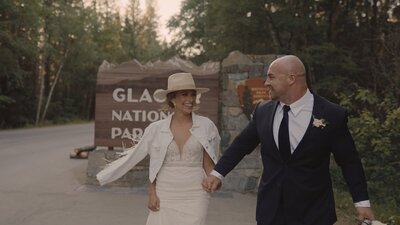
[253, 92]
[125, 101]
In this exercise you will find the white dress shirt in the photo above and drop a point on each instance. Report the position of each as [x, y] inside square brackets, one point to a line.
[299, 118]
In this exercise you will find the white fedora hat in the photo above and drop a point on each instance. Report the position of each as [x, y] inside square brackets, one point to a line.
[179, 82]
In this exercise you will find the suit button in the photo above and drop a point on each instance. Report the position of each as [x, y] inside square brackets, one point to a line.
[278, 185]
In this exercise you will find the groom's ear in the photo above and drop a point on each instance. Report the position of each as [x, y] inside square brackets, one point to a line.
[292, 78]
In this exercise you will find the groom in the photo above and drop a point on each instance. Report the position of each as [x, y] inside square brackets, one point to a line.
[298, 131]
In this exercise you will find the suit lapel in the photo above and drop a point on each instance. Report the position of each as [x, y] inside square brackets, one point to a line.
[268, 129]
[317, 112]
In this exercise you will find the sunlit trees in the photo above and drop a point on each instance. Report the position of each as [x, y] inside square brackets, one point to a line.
[51, 50]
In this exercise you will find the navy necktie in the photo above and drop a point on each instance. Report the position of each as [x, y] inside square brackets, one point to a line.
[283, 135]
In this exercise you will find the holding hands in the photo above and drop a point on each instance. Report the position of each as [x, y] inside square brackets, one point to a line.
[211, 183]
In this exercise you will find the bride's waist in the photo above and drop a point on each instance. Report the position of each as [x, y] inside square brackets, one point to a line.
[182, 164]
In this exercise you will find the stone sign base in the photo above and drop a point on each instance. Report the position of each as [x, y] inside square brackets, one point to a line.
[137, 177]
[246, 175]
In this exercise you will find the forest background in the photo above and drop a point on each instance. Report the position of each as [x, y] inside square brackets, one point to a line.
[50, 51]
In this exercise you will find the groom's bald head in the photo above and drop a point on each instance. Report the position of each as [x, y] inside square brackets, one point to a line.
[286, 79]
[290, 64]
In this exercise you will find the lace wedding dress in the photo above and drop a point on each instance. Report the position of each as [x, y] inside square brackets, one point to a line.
[182, 199]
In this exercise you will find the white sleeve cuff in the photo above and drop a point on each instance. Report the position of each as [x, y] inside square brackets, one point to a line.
[364, 203]
[216, 174]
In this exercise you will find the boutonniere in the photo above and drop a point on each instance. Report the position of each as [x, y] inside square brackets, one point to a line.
[319, 123]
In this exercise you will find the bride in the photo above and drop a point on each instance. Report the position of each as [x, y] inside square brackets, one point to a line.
[183, 150]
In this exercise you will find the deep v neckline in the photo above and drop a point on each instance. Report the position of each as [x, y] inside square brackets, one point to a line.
[183, 146]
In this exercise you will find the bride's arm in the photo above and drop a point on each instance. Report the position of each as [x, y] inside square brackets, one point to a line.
[154, 201]
[208, 164]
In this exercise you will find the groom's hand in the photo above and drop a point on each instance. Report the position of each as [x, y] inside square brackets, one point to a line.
[211, 183]
[365, 213]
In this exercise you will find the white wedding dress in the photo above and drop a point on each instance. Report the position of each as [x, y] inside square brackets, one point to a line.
[178, 186]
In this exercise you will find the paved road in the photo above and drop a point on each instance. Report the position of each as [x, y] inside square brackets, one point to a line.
[40, 185]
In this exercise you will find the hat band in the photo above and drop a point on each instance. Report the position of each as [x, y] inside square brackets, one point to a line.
[183, 87]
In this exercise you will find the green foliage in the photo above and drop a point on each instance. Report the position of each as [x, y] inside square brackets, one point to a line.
[345, 209]
[376, 131]
[330, 69]
[5, 101]
[139, 38]
[35, 36]
[211, 29]
[18, 51]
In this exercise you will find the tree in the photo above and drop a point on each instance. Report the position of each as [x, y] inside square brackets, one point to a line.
[51, 51]
[150, 47]
[132, 27]
[18, 49]
[58, 31]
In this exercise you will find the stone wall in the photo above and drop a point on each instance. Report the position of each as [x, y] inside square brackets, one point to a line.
[236, 69]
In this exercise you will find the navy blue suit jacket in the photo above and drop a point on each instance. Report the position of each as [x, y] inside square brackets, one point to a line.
[299, 190]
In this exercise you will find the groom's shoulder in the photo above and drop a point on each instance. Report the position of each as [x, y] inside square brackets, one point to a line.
[267, 104]
[264, 107]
